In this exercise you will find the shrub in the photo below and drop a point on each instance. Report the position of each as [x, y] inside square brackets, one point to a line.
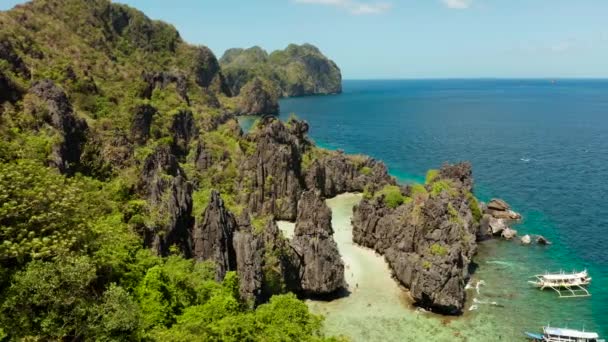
[426, 265]
[439, 250]
[42, 213]
[431, 176]
[392, 196]
[474, 206]
[443, 185]
[366, 170]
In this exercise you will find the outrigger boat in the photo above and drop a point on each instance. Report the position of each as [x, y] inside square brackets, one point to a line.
[564, 335]
[567, 285]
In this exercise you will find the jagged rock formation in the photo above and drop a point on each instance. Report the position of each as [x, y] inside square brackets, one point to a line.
[320, 264]
[57, 111]
[140, 126]
[337, 173]
[271, 179]
[298, 70]
[496, 219]
[161, 80]
[213, 236]
[429, 240]
[184, 131]
[207, 71]
[169, 197]
[257, 98]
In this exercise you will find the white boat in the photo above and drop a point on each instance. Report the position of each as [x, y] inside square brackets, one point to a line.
[567, 285]
[564, 335]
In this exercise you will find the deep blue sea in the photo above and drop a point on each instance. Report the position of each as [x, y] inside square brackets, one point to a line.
[541, 145]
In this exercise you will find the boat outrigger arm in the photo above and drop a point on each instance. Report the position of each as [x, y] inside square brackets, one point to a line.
[567, 285]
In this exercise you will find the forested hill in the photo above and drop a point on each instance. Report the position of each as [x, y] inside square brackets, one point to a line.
[295, 71]
[133, 207]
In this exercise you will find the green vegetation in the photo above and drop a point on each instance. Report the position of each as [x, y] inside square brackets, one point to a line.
[293, 71]
[426, 265]
[72, 261]
[392, 196]
[474, 206]
[439, 250]
[431, 176]
[442, 185]
[366, 170]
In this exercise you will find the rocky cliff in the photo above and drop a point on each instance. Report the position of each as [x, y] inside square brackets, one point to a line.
[285, 163]
[428, 239]
[295, 71]
[169, 203]
[320, 264]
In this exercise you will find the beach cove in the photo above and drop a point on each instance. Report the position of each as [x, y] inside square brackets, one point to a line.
[419, 124]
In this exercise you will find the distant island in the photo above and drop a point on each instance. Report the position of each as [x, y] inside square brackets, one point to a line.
[296, 71]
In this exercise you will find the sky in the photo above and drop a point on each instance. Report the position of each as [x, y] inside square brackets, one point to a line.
[382, 39]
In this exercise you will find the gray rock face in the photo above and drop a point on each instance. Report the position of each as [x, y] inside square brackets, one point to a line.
[213, 236]
[428, 242]
[339, 173]
[321, 267]
[249, 250]
[207, 71]
[184, 130]
[271, 179]
[257, 99]
[8, 91]
[142, 120]
[169, 195]
[59, 114]
[162, 80]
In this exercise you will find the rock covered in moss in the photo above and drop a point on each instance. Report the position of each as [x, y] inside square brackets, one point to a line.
[257, 98]
[58, 113]
[169, 196]
[428, 241]
[213, 234]
[295, 71]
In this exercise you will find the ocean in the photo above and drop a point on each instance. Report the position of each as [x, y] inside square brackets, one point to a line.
[542, 145]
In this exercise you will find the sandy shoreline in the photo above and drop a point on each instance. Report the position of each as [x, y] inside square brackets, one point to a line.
[377, 308]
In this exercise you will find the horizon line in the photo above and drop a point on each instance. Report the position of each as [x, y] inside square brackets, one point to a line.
[549, 78]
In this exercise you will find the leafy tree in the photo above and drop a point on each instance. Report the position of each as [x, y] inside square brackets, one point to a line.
[42, 214]
[50, 300]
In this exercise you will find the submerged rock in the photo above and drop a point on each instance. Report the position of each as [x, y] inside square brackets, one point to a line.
[541, 240]
[508, 233]
[321, 267]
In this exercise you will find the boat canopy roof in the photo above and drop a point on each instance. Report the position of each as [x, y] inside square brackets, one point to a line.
[570, 333]
[564, 276]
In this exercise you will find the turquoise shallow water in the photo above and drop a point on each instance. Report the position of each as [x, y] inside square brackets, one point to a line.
[542, 146]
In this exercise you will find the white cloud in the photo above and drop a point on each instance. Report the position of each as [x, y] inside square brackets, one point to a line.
[457, 4]
[354, 7]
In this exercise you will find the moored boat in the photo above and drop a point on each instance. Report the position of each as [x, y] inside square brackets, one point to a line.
[551, 334]
[565, 284]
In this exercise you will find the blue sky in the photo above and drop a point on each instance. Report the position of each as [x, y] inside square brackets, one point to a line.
[407, 38]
